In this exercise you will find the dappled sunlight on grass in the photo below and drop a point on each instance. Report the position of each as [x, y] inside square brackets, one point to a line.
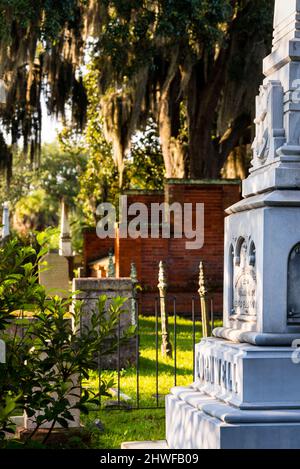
[166, 368]
[147, 424]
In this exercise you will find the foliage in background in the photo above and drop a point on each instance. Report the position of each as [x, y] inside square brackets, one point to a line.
[40, 48]
[143, 167]
[35, 194]
[80, 168]
[36, 211]
[60, 170]
[168, 90]
[187, 64]
[19, 287]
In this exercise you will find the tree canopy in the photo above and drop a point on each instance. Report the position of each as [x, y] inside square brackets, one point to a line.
[41, 45]
[193, 66]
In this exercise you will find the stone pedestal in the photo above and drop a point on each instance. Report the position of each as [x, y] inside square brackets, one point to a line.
[262, 270]
[88, 290]
[54, 274]
[196, 422]
[243, 397]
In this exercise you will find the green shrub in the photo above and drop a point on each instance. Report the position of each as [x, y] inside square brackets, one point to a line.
[48, 353]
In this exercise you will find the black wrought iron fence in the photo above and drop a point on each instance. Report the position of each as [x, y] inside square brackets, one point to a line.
[138, 397]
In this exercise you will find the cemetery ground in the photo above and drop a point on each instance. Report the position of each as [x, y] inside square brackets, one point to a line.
[42, 331]
[146, 422]
[108, 427]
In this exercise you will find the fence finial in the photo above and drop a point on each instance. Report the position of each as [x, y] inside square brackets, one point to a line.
[203, 301]
[166, 347]
[133, 273]
[111, 265]
[162, 278]
[202, 284]
[134, 280]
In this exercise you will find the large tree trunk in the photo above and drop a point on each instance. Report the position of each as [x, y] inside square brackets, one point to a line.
[202, 153]
[217, 89]
[172, 148]
[220, 107]
[237, 163]
[169, 122]
[203, 94]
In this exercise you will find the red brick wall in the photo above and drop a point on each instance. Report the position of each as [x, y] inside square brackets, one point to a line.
[95, 248]
[138, 250]
[182, 264]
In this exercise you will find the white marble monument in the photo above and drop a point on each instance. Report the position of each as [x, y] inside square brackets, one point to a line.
[246, 393]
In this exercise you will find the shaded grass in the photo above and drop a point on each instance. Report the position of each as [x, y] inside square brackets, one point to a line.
[121, 426]
[146, 424]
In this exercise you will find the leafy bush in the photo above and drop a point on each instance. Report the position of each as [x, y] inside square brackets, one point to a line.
[50, 351]
[19, 288]
[8, 404]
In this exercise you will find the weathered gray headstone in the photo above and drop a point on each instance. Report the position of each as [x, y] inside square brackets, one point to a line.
[54, 276]
[90, 289]
[5, 221]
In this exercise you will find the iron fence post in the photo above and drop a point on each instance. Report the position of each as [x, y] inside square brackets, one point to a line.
[166, 348]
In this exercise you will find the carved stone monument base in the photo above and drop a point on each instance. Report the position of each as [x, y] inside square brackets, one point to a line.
[262, 270]
[282, 174]
[196, 422]
[244, 397]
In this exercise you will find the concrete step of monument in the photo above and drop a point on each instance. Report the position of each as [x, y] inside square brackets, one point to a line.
[154, 445]
[221, 426]
[192, 396]
[228, 414]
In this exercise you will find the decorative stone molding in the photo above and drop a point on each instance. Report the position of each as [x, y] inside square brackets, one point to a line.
[270, 133]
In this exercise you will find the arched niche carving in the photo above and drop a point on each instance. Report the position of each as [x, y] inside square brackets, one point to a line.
[293, 287]
[244, 280]
[252, 254]
[238, 250]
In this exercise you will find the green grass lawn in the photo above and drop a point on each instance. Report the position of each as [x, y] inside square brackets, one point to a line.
[130, 425]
